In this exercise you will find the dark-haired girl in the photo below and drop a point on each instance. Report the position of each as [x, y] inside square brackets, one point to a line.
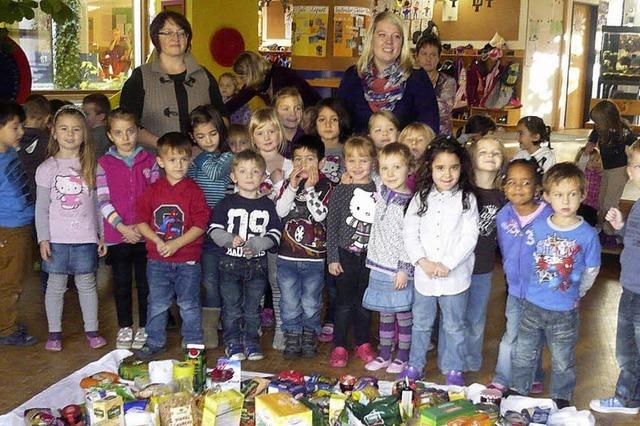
[440, 234]
[522, 185]
[532, 133]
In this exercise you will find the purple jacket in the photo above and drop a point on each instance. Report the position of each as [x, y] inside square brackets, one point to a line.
[418, 103]
[119, 186]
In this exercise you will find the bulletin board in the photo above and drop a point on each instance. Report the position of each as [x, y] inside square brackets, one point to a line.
[503, 17]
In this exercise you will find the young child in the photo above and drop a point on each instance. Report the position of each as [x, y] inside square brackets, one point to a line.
[390, 289]
[69, 226]
[383, 128]
[16, 218]
[522, 184]
[289, 106]
[267, 137]
[309, 116]
[487, 156]
[532, 133]
[301, 258]
[228, 84]
[476, 127]
[611, 135]
[626, 399]
[332, 126]
[172, 216]
[238, 138]
[246, 225]
[417, 137]
[33, 145]
[440, 233]
[591, 165]
[96, 106]
[210, 169]
[567, 261]
[123, 174]
[351, 212]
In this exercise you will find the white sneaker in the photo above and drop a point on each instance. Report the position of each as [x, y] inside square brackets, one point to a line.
[140, 339]
[124, 338]
[278, 340]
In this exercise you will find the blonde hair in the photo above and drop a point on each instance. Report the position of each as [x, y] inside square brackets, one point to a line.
[417, 127]
[262, 117]
[634, 148]
[253, 67]
[473, 151]
[87, 152]
[386, 114]
[367, 52]
[287, 92]
[233, 78]
[359, 145]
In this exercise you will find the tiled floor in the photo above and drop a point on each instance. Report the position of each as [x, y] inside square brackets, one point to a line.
[27, 371]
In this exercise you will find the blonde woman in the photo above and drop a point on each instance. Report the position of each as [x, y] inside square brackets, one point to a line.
[383, 79]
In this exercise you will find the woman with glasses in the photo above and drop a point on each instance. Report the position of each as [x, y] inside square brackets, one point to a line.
[164, 91]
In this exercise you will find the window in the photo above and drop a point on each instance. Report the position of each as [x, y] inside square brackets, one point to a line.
[96, 51]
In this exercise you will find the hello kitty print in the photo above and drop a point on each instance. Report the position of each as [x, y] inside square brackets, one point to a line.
[70, 188]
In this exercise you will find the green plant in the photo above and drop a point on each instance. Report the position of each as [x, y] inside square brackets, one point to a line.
[67, 71]
[16, 10]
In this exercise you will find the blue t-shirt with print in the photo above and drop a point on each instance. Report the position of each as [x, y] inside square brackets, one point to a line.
[17, 202]
[560, 257]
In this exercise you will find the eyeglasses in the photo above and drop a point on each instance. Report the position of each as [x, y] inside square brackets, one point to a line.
[172, 34]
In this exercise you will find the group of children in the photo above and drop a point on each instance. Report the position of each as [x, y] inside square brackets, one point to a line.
[401, 223]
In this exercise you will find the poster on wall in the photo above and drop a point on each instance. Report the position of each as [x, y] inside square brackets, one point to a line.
[309, 30]
[350, 27]
[408, 10]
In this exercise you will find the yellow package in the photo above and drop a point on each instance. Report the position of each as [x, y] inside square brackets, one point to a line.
[107, 411]
[336, 405]
[223, 408]
[280, 409]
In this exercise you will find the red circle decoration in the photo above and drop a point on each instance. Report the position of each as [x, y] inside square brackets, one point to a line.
[20, 78]
[225, 46]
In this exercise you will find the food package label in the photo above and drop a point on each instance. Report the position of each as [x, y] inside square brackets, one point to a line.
[280, 409]
[223, 408]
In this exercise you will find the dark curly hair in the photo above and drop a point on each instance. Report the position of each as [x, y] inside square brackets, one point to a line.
[424, 182]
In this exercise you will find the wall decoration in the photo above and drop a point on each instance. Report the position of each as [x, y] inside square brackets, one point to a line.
[450, 10]
[409, 10]
[350, 26]
[225, 46]
[309, 30]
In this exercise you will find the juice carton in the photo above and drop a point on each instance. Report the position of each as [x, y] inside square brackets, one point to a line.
[223, 408]
[107, 411]
[441, 414]
[280, 409]
[195, 355]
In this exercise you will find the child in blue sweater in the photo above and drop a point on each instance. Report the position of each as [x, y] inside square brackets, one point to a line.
[211, 170]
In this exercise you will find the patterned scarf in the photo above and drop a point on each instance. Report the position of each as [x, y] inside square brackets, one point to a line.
[383, 90]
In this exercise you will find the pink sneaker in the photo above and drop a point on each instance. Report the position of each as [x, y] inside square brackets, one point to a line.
[96, 342]
[377, 364]
[339, 357]
[365, 352]
[326, 334]
[537, 388]
[53, 345]
[397, 366]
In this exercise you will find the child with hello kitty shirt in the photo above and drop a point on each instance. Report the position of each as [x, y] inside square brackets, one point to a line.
[351, 211]
[68, 223]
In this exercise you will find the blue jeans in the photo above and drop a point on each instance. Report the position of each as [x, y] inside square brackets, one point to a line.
[242, 285]
[210, 276]
[512, 312]
[560, 328]
[628, 349]
[301, 286]
[476, 315]
[424, 314]
[167, 279]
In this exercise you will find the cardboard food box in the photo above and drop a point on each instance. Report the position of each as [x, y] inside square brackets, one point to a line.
[108, 411]
[223, 408]
[281, 409]
[441, 414]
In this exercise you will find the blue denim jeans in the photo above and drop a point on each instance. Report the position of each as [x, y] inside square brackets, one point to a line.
[242, 285]
[167, 279]
[210, 276]
[301, 286]
[452, 319]
[476, 315]
[512, 312]
[560, 328]
[628, 349]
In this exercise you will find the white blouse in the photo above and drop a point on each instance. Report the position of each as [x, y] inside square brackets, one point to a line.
[444, 233]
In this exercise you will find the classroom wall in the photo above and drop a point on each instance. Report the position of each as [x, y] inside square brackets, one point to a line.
[208, 16]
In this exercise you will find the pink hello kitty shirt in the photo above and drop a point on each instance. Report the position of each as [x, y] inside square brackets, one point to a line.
[73, 210]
